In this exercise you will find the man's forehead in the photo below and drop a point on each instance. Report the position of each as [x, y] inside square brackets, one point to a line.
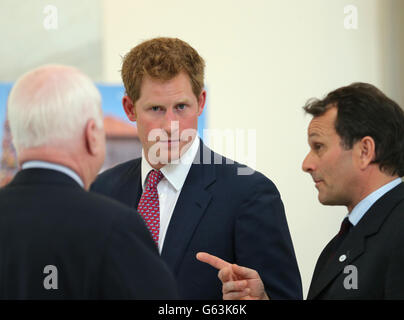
[323, 125]
[178, 87]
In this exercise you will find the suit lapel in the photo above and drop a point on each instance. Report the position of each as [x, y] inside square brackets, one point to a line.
[327, 270]
[130, 188]
[189, 209]
[354, 244]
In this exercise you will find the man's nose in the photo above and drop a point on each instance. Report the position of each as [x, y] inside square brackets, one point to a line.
[171, 123]
[308, 164]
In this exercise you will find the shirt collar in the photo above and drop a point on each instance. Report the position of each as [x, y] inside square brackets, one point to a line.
[53, 166]
[177, 171]
[363, 206]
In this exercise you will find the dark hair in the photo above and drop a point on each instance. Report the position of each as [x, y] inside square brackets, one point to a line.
[363, 110]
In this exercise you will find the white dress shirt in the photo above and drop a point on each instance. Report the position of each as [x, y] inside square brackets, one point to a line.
[169, 188]
[53, 166]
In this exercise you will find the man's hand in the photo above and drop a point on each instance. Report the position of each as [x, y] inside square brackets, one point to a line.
[239, 283]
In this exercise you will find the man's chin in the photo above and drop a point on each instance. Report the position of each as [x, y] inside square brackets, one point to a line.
[163, 153]
[164, 158]
[328, 202]
[322, 198]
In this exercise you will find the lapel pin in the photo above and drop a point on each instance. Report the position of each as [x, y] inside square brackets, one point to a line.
[342, 258]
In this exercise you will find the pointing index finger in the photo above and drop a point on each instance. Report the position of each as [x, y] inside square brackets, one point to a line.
[212, 260]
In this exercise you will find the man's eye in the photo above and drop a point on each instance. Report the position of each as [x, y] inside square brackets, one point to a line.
[317, 146]
[181, 106]
[155, 108]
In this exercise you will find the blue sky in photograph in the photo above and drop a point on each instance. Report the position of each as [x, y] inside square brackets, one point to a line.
[4, 91]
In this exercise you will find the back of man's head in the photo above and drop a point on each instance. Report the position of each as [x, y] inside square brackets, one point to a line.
[364, 110]
[51, 105]
[162, 59]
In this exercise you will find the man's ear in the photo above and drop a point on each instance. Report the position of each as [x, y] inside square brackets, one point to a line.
[93, 136]
[129, 108]
[201, 102]
[365, 151]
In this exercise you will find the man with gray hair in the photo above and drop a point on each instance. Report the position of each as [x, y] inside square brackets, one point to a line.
[58, 241]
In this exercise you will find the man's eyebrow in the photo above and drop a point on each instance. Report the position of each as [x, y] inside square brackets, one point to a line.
[151, 103]
[314, 134]
[183, 101]
[179, 101]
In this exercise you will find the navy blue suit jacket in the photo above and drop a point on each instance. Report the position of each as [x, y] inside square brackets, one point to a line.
[239, 218]
[100, 248]
[372, 266]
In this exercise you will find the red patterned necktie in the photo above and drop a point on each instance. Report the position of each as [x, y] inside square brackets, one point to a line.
[149, 207]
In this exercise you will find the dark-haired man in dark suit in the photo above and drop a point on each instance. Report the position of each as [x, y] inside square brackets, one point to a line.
[356, 160]
[58, 241]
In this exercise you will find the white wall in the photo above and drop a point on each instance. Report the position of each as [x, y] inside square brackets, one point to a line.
[391, 34]
[264, 60]
[38, 32]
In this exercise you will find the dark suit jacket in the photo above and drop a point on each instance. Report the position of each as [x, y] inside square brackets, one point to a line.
[239, 218]
[375, 248]
[100, 248]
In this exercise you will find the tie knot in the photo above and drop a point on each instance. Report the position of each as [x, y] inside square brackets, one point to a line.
[154, 178]
[345, 226]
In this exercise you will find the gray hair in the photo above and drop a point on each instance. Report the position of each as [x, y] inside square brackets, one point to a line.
[52, 104]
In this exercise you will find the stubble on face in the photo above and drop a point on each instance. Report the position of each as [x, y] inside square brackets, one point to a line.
[328, 162]
[167, 117]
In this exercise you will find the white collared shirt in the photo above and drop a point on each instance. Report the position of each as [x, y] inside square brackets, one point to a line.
[169, 188]
[364, 205]
[53, 166]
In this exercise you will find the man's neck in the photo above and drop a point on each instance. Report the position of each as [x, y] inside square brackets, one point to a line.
[183, 154]
[175, 170]
[370, 185]
[56, 156]
[33, 164]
